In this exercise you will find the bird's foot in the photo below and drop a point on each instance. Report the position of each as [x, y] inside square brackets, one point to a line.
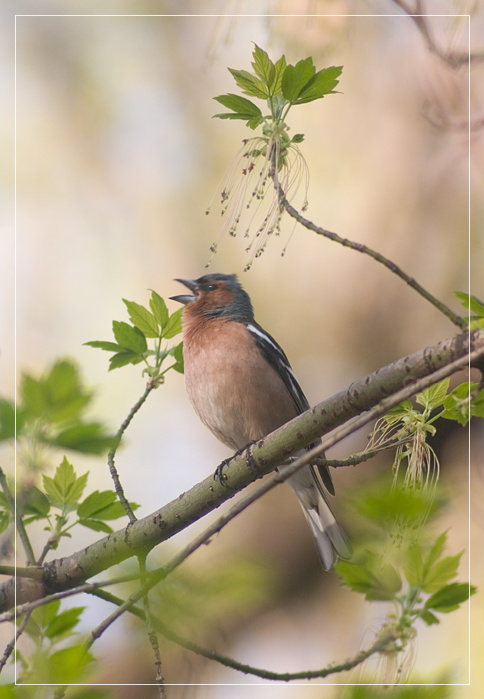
[219, 474]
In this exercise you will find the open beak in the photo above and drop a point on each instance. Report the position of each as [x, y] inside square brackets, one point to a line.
[186, 298]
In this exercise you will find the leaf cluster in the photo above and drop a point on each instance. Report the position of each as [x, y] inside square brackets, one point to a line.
[460, 404]
[198, 599]
[280, 84]
[47, 626]
[51, 410]
[401, 566]
[63, 494]
[430, 572]
[131, 340]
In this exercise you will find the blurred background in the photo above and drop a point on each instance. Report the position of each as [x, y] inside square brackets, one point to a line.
[117, 159]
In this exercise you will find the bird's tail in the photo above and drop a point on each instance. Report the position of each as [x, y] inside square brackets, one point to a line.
[331, 541]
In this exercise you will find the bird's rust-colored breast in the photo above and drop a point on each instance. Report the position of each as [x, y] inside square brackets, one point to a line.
[235, 392]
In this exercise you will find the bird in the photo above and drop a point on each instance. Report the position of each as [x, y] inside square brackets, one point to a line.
[242, 387]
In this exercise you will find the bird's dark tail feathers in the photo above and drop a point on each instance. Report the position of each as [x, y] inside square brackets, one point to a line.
[331, 541]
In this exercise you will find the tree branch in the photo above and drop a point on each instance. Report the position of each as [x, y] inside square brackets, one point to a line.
[112, 452]
[266, 454]
[382, 641]
[456, 319]
[454, 59]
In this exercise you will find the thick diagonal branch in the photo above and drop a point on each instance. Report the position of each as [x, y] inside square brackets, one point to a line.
[268, 453]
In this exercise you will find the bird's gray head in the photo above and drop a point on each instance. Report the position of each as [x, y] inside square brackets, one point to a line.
[217, 295]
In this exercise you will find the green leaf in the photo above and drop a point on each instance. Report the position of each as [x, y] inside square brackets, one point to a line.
[250, 84]
[36, 503]
[380, 587]
[95, 503]
[102, 505]
[441, 572]
[321, 84]
[32, 396]
[64, 390]
[174, 325]
[277, 104]
[56, 397]
[64, 622]
[245, 108]
[7, 419]
[66, 666]
[115, 511]
[252, 123]
[57, 487]
[381, 507]
[32, 629]
[104, 345]
[65, 488]
[475, 323]
[129, 337]
[280, 67]
[96, 525]
[413, 566]
[433, 396]
[450, 597]
[123, 358]
[471, 303]
[5, 518]
[436, 551]
[390, 579]
[178, 355]
[428, 617]
[159, 309]
[296, 78]
[142, 319]
[263, 67]
[458, 407]
[77, 488]
[46, 613]
[398, 411]
[8, 691]
[84, 437]
[457, 404]
[477, 405]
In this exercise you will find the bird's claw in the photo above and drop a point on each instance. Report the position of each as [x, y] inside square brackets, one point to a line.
[219, 475]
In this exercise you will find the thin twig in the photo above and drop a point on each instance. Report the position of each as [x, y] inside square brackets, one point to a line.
[359, 458]
[10, 647]
[151, 632]
[159, 679]
[378, 646]
[112, 452]
[364, 249]
[86, 588]
[33, 572]
[454, 59]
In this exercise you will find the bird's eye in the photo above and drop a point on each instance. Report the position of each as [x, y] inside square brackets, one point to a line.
[211, 287]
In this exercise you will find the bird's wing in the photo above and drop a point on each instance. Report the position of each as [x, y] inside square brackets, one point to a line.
[275, 355]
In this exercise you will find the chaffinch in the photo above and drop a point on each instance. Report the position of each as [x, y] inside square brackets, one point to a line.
[242, 387]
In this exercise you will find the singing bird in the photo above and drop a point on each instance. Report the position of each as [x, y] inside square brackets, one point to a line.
[242, 387]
